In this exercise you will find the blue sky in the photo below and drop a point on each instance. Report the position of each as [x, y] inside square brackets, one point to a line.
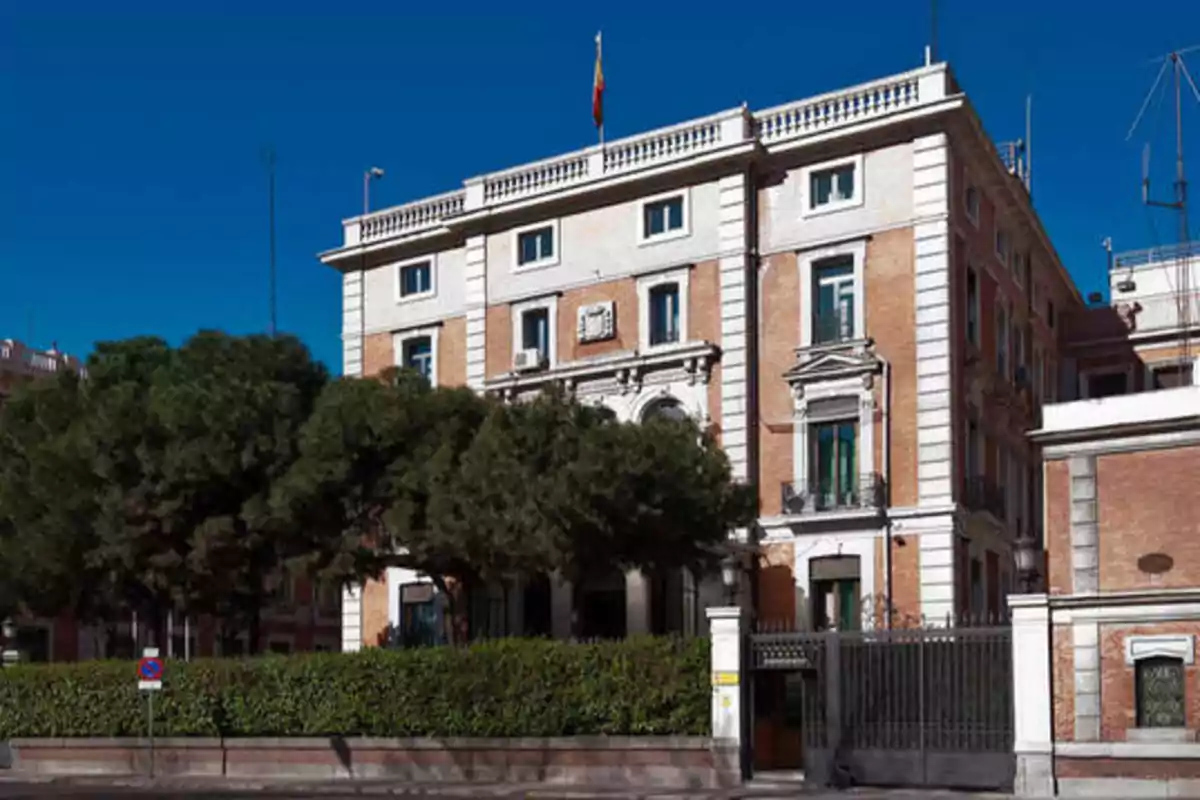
[133, 195]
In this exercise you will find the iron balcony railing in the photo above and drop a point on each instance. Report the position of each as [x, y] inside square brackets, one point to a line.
[865, 492]
[984, 494]
[832, 328]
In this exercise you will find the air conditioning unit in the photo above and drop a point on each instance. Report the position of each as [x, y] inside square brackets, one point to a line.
[528, 359]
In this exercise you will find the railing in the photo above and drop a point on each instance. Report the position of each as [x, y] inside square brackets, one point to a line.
[832, 329]
[536, 178]
[655, 148]
[864, 493]
[27, 359]
[984, 494]
[665, 145]
[410, 217]
[838, 108]
[1156, 255]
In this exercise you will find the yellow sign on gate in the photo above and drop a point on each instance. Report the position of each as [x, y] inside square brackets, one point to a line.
[725, 679]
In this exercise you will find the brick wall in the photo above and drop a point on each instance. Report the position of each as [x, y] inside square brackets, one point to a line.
[1146, 504]
[779, 290]
[892, 323]
[1058, 526]
[374, 612]
[499, 352]
[377, 353]
[452, 352]
[1063, 682]
[704, 323]
[623, 293]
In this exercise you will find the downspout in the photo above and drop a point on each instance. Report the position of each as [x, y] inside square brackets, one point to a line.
[887, 489]
[752, 328]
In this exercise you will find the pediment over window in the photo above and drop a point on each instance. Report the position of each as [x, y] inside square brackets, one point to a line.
[855, 360]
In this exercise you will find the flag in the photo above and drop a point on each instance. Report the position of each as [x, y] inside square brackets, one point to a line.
[598, 89]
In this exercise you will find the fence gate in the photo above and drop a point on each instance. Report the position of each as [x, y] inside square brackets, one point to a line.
[926, 707]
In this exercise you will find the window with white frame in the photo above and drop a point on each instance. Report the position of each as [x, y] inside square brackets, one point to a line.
[534, 324]
[416, 349]
[1001, 340]
[414, 280]
[535, 332]
[971, 202]
[833, 185]
[662, 309]
[972, 307]
[1003, 246]
[664, 217]
[536, 246]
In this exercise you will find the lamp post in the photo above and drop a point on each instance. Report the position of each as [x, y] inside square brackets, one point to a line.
[729, 578]
[10, 655]
[374, 173]
[1025, 556]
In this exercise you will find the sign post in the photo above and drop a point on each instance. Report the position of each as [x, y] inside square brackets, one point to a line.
[150, 675]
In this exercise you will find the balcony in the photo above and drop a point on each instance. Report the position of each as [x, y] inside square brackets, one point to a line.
[985, 495]
[820, 496]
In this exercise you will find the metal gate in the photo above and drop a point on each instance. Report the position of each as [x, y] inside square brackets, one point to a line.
[916, 707]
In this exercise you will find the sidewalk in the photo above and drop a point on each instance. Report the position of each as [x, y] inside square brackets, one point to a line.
[98, 787]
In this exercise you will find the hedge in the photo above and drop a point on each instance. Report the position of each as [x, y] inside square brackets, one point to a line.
[514, 687]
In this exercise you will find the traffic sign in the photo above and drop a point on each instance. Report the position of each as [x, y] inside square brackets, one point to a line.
[150, 671]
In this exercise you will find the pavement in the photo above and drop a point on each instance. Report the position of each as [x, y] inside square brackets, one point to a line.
[225, 789]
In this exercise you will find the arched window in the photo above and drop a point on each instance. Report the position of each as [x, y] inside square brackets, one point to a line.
[666, 408]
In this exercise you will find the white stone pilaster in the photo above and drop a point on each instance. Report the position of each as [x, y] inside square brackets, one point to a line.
[476, 298]
[726, 624]
[1085, 637]
[352, 322]
[931, 233]
[637, 603]
[352, 618]
[733, 239]
[1032, 720]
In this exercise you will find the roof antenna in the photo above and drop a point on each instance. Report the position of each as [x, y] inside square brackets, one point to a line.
[931, 48]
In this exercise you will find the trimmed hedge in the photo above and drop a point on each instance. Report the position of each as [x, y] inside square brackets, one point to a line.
[504, 688]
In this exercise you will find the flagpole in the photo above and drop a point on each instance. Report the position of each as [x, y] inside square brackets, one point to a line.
[600, 61]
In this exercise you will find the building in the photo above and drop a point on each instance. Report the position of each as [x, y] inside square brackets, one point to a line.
[1105, 658]
[18, 362]
[304, 618]
[852, 290]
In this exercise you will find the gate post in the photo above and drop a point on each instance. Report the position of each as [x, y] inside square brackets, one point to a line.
[728, 632]
[1033, 734]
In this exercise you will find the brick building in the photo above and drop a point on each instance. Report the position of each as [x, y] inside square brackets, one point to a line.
[852, 290]
[305, 618]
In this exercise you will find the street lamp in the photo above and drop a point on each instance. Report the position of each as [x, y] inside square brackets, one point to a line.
[729, 578]
[374, 173]
[10, 655]
[1025, 557]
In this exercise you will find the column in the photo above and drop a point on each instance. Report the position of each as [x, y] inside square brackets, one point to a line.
[562, 608]
[1033, 701]
[732, 233]
[637, 603]
[352, 618]
[476, 297]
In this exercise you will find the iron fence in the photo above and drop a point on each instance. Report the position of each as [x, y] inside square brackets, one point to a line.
[865, 492]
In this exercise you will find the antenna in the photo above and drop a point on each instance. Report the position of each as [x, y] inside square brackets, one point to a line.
[269, 155]
[1029, 144]
[1179, 204]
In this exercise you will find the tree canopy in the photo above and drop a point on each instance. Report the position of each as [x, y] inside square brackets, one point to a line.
[186, 479]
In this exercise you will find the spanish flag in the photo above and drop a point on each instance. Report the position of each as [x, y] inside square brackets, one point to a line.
[598, 89]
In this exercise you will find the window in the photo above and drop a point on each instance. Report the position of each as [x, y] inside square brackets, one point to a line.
[535, 332]
[1050, 382]
[1050, 313]
[664, 314]
[536, 247]
[977, 586]
[664, 217]
[533, 328]
[417, 354]
[1170, 376]
[972, 307]
[835, 584]
[667, 409]
[1020, 375]
[833, 481]
[1038, 376]
[1002, 246]
[833, 304]
[1107, 384]
[418, 615]
[416, 280]
[831, 186]
[1001, 341]
[1160, 692]
[974, 450]
[1019, 265]
[971, 201]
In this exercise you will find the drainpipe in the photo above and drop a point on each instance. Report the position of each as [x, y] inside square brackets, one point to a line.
[887, 469]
